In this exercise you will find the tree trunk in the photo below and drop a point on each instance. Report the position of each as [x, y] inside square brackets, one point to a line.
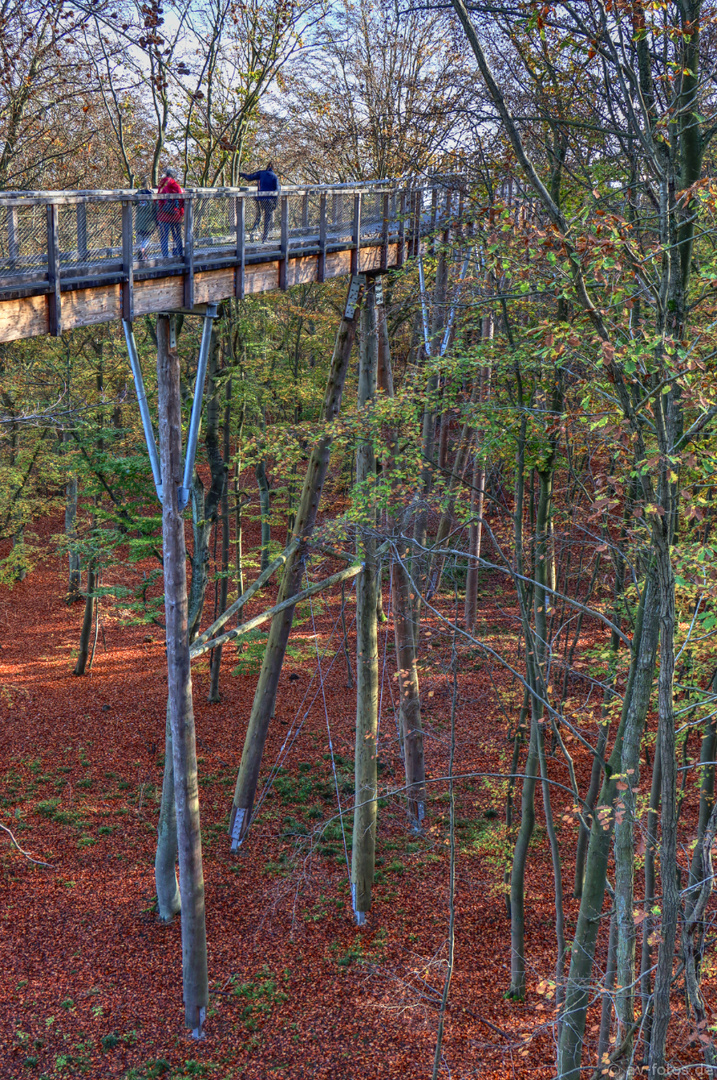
[636, 703]
[263, 485]
[165, 860]
[73, 583]
[363, 854]
[181, 714]
[214, 696]
[265, 695]
[86, 621]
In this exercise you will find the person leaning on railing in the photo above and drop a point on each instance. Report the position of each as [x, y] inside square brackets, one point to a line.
[268, 184]
[170, 214]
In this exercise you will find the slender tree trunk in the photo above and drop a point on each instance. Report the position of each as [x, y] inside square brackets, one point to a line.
[517, 876]
[86, 621]
[265, 695]
[636, 703]
[263, 485]
[216, 663]
[363, 854]
[165, 860]
[651, 841]
[73, 584]
[475, 534]
[627, 784]
[410, 725]
[181, 714]
[661, 1010]
[603, 1047]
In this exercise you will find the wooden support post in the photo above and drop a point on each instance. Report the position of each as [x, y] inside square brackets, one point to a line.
[384, 235]
[189, 253]
[363, 852]
[305, 211]
[321, 272]
[181, 712]
[401, 254]
[81, 219]
[240, 211]
[127, 261]
[284, 241]
[53, 271]
[13, 237]
[356, 237]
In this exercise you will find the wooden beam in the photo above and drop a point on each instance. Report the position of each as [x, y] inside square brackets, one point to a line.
[25, 317]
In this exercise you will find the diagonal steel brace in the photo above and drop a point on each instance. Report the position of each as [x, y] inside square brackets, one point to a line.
[183, 492]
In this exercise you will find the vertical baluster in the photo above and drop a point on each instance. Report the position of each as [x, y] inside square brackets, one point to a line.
[81, 215]
[356, 236]
[384, 241]
[189, 252]
[240, 212]
[335, 208]
[321, 274]
[127, 260]
[53, 271]
[305, 211]
[13, 236]
[401, 253]
[284, 241]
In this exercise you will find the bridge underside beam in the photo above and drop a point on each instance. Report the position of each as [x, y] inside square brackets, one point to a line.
[30, 316]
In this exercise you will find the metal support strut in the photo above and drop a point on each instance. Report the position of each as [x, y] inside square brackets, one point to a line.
[189, 458]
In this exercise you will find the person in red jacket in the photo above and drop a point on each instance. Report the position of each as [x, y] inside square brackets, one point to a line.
[170, 214]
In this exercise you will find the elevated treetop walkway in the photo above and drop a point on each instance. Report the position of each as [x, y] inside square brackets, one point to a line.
[71, 258]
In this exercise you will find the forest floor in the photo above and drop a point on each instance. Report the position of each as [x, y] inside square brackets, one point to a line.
[90, 981]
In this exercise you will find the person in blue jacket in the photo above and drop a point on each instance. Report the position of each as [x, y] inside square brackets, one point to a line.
[267, 182]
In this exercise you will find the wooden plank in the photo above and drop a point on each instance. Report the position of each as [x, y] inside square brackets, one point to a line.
[24, 318]
[162, 294]
[189, 253]
[303, 270]
[240, 211]
[89, 307]
[322, 237]
[54, 299]
[128, 261]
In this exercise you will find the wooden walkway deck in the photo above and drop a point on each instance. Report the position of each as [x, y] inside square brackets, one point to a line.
[70, 259]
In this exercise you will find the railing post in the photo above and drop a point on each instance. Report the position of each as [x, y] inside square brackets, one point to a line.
[284, 241]
[401, 253]
[81, 214]
[13, 239]
[189, 252]
[53, 271]
[240, 211]
[335, 204]
[305, 211]
[321, 272]
[384, 238]
[356, 236]
[127, 261]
